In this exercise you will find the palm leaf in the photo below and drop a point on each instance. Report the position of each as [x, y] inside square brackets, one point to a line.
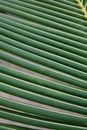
[43, 64]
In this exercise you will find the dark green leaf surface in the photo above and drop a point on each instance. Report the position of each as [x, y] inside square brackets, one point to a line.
[47, 38]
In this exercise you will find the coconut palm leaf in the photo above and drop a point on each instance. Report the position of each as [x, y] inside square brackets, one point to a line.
[43, 64]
